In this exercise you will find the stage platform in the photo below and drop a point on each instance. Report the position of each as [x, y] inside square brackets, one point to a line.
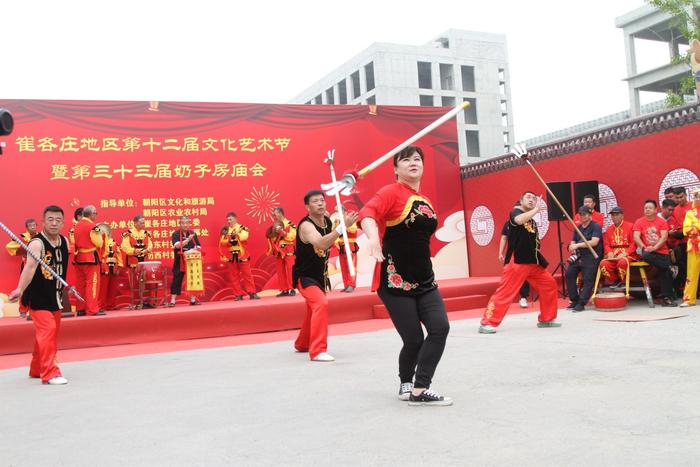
[225, 318]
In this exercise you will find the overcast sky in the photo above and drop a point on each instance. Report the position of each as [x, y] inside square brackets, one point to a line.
[566, 57]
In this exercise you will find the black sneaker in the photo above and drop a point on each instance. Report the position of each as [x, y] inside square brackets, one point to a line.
[292, 293]
[283, 293]
[429, 397]
[405, 391]
[579, 307]
[254, 296]
[668, 302]
[238, 298]
[571, 306]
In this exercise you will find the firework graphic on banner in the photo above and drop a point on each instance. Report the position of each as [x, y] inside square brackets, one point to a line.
[261, 202]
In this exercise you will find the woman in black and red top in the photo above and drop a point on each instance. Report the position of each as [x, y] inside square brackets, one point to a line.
[405, 220]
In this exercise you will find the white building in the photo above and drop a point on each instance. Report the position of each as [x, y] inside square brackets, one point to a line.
[455, 67]
[648, 23]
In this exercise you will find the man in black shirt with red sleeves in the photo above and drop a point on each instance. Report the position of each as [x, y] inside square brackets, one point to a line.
[523, 262]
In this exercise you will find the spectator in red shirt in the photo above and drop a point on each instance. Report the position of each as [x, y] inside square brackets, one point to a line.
[589, 201]
[650, 235]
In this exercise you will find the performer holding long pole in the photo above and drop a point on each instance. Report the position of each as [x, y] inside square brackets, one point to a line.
[346, 184]
[521, 151]
[41, 287]
[346, 243]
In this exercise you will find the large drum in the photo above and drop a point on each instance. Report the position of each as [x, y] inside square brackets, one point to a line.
[611, 301]
[150, 272]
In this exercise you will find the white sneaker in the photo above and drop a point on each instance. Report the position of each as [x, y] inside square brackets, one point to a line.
[523, 302]
[323, 357]
[405, 391]
[56, 380]
[686, 304]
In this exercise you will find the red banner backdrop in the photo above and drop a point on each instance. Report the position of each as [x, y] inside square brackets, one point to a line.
[627, 172]
[167, 159]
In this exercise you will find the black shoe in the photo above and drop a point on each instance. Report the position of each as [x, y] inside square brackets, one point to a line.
[668, 302]
[429, 397]
[571, 306]
[617, 285]
[254, 296]
[81, 313]
[29, 317]
[194, 303]
[284, 293]
[578, 307]
[171, 304]
[238, 298]
[23, 315]
[148, 305]
[101, 313]
[292, 293]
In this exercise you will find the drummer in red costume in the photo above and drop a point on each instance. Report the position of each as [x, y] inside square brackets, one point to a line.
[524, 261]
[110, 267]
[619, 248]
[13, 249]
[88, 246]
[233, 244]
[349, 281]
[283, 249]
[137, 246]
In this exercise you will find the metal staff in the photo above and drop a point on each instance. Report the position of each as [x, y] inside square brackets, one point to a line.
[346, 244]
[69, 288]
[346, 184]
[521, 151]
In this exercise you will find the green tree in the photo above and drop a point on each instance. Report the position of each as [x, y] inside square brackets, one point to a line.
[687, 20]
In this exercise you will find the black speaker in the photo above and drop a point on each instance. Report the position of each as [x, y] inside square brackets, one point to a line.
[583, 188]
[562, 190]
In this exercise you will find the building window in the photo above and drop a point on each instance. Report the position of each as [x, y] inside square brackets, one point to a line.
[342, 92]
[472, 143]
[504, 107]
[502, 88]
[448, 101]
[505, 138]
[502, 75]
[355, 80]
[468, 78]
[369, 75]
[425, 78]
[371, 100]
[318, 99]
[504, 120]
[426, 101]
[447, 78]
[329, 96]
[470, 113]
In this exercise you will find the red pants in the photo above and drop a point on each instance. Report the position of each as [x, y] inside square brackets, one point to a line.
[46, 326]
[348, 280]
[313, 335]
[513, 277]
[614, 270]
[240, 274]
[284, 272]
[87, 281]
[108, 291]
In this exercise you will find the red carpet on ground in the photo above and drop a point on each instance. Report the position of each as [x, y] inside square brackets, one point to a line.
[226, 323]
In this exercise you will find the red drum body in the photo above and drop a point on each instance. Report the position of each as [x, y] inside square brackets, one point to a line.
[150, 272]
[613, 301]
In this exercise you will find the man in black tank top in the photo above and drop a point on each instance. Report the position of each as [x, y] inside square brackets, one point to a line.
[315, 236]
[43, 294]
